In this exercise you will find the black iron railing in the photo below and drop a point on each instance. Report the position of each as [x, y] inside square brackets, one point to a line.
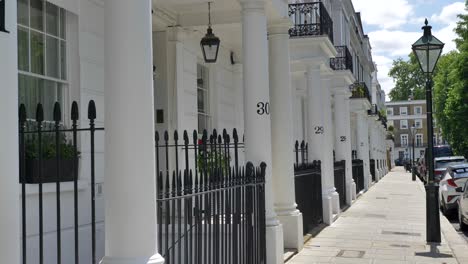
[308, 187]
[210, 208]
[342, 61]
[340, 181]
[360, 90]
[373, 168]
[310, 19]
[49, 154]
[358, 174]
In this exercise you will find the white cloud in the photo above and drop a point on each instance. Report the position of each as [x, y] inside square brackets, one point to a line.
[383, 66]
[449, 13]
[383, 15]
[390, 44]
[393, 43]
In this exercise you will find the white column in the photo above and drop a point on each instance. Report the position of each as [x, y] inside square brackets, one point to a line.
[373, 146]
[343, 135]
[282, 136]
[9, 163]
[327, 162]
[130, 195]
[363, 145]
[257, 122]
[316, 135]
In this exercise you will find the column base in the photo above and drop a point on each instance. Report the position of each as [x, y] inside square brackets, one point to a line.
[292, 229]
[327, 209]
[274, 244]
[349, 193]
[335, 202]
[353, 191]
[155, 259]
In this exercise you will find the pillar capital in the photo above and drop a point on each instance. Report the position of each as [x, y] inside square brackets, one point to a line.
[252, 5]
[279, 27]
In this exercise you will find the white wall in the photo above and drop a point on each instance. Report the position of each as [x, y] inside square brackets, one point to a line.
[85, 55]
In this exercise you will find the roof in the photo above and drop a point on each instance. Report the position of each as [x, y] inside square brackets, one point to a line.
[449, 158]
[459, 166]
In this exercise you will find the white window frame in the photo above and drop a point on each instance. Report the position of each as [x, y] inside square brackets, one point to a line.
[420, 110]
[406, 139]
[401, 110]
[389, 111]
[64, 82]
[401, 124]
[206, 90]
[421, 143]
[418, 121]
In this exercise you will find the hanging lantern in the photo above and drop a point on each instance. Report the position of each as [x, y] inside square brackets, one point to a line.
[210, 43]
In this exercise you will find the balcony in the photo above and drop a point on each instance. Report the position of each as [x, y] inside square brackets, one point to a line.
[359, 90]
[310, 19]
[343, 61]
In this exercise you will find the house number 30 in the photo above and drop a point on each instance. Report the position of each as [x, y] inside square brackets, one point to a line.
[263, 108]
[2, 16]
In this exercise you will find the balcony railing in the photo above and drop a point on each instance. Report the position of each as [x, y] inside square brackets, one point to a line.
[360, 90]
[342, 61]
[310, 19]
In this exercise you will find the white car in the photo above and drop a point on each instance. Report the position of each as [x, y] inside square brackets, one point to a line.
[442, 163]
[455, 176]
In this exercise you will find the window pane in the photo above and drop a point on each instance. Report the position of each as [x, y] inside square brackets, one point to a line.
[37, 53]
[29, 89]
[23, 49]
[23, 16]
[63, 60]
[48, 98]
[52, 59]
[52, 19]
[201, 103]
[63, 23]
[37, 21]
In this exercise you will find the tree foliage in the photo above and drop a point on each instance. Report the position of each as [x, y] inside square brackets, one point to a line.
[450, 87]
[451, 91]
[409, 80]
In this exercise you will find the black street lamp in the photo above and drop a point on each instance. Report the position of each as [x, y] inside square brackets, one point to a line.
[413, 167]
[427, 50]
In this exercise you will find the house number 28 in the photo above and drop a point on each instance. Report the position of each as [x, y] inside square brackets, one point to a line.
[2, 16]
[263, 108]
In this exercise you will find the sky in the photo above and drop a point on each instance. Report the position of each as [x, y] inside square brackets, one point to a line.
[394, 25]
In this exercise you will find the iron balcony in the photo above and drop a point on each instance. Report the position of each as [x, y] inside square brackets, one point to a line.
[310, 19]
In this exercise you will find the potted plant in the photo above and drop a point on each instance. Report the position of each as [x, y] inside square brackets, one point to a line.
[48, 159]
[211, 158]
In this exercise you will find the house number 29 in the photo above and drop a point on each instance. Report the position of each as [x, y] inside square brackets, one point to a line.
[2, 16]
[319, 130]
[263, 108]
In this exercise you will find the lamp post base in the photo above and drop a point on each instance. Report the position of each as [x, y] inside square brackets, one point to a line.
[413, 173]
[432, 213]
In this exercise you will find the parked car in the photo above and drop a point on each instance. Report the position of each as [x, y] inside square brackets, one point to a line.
[455, 176]
[463, 205]
[442, 151]
[442, 163]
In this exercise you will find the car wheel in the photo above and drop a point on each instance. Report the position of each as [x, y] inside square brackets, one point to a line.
[463, 226]
[444, 208]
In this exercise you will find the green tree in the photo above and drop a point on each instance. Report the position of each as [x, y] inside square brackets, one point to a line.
[451, 91]
[409, 80]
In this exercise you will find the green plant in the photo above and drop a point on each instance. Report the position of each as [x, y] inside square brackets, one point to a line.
[48, 144]
[214, 159]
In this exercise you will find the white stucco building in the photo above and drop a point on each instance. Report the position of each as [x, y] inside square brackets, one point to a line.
[285, 71]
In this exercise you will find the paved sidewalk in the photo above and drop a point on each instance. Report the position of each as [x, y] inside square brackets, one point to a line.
[385, 225]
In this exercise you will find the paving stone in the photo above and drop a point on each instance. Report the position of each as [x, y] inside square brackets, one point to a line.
[385, 231]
